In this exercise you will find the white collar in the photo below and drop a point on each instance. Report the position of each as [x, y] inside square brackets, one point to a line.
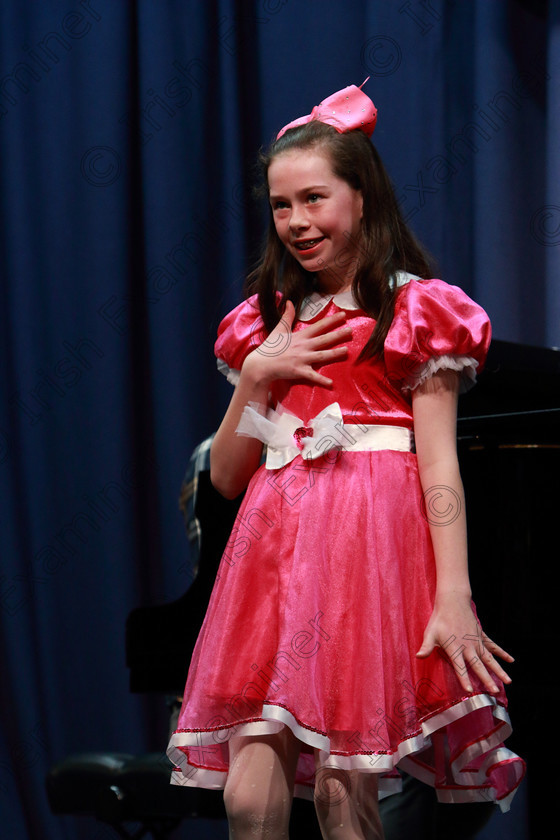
[316, 302]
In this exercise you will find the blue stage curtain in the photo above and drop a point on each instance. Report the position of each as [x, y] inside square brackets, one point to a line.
[128, 137]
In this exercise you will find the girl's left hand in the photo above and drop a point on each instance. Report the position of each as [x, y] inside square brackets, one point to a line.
[454, 627]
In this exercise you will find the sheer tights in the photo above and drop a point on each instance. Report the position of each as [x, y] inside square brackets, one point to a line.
[259, 791]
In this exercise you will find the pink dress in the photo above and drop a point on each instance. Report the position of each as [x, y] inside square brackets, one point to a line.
[328, 579]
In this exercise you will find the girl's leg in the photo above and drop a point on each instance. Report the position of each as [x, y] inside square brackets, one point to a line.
[346, 804]
[259, 788]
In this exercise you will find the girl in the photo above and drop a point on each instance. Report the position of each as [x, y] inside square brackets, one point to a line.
[341, 639]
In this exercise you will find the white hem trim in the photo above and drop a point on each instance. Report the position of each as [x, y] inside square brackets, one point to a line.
[471, 786]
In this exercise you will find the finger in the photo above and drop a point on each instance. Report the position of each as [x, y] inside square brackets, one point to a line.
[488, 649]
[426, 648]
[480, 668]
[343, 334]
[461, 671]
[497, 669]
[318, 378]
[458, 658]
[497, 650]
[289, 313]
[328, 323]
[484, 676]
[478, 660]
[323, 357]
[491, 663]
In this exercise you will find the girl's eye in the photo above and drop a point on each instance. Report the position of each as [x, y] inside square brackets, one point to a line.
[313, 198]
[279, 205]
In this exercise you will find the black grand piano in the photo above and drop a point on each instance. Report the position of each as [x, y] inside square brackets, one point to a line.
[509, 452]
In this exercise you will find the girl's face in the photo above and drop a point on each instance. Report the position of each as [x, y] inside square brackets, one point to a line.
[317, 216]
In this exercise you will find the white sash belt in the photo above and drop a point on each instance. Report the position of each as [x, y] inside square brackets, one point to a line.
[287, 435]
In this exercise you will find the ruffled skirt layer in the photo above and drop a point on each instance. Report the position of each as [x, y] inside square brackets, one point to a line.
[320, 604]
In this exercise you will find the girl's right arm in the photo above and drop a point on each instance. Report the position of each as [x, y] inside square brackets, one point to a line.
[234, 458]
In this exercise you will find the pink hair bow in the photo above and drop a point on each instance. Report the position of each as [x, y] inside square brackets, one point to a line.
[345, 110]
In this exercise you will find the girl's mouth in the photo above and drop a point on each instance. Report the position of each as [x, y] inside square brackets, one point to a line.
[308, 244]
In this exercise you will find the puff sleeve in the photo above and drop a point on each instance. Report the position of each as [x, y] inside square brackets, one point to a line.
[240, 332]
[435, 327]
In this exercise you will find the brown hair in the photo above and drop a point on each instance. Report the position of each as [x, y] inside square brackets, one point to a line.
[386, 246]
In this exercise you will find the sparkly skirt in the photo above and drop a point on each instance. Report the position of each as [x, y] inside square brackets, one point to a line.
[320, 604]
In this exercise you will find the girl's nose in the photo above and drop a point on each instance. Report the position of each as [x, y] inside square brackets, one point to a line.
[298, 219]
